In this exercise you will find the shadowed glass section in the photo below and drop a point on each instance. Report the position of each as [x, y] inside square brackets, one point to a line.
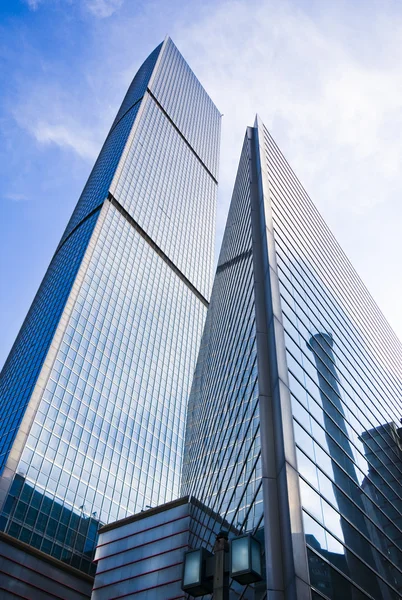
[21, 370]
[138, 86]
[344, 365]
[222, 452]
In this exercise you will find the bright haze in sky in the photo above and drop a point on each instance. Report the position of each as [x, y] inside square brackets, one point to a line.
[325, 78]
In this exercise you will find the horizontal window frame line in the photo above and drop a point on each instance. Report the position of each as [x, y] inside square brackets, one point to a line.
[88, 216]
[114, 125]
[124, 537]
[353, 412]
[159, 105]
[218, 387]
[232, 495]
[214, 480]
[346, 577]
[155, 247]
[134, 562]
[358, 367]
[131, 577]
[298, 190]
[29, 583]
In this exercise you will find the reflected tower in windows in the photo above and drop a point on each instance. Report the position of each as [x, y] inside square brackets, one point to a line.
[293, 419]
[93, 394]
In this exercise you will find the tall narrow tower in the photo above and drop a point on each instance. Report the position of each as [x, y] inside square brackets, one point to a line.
[93, 394]
[292, 419]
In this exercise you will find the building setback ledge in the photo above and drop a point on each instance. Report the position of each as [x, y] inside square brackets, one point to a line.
[145, 514]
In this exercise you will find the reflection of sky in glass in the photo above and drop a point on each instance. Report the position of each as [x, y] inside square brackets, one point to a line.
[345, 395]
[108, 434]
[222, 465]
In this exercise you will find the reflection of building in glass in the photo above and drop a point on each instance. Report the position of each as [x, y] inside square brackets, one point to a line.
[322, 577]
[383, 486]
[284, 416]
[94, 392]
[346, 485]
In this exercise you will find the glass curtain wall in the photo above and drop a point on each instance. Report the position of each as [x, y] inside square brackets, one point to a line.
[107, 402]
[344, 369]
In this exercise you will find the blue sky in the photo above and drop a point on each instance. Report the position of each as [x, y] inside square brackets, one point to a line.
[326, 79]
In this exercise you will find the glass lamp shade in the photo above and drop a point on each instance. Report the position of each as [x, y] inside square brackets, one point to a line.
[194, 580]
[245, 559]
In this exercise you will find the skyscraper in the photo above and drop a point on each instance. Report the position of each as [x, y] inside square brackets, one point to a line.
[292, 421]
[93, 394]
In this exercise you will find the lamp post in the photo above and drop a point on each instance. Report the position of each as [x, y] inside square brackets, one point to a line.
[221, 573]
[204, 572]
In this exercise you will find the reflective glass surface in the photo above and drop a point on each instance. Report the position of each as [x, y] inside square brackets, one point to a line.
[24, 363]
[160, 169]
[344, 366]
[222, 465]
[200, 119]
[25, 360]
[107, 437]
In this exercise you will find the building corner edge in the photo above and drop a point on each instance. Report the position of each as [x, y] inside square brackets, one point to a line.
[284, 531]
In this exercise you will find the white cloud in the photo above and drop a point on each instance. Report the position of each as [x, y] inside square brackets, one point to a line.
[314, 94]
[99, 8]
[33, 4]
[74, 138]
[16, 197]
[103, 8]
[58, 114]
[332, 101]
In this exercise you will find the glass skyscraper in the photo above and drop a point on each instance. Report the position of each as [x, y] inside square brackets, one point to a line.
[93, 394]
[294, 415]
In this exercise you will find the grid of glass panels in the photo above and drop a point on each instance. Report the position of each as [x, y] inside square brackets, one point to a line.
[171, 195]
[22, 368]
[107, 439]
[345, 379]
[196, 116]
[222, 453]
[139, 85]
[97, 186]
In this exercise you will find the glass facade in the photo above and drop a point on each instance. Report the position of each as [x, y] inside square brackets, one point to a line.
[344, 365]
[327, 426]
[222, 460]
[101, 429]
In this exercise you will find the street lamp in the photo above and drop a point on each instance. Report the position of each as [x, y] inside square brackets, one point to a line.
[204, 572]
[245, 559]
[195, 581]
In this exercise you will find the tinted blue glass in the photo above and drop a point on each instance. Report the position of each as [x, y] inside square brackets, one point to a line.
[176, 205]
[344, 376]
[97, 186]
[24, 363]
[222, 464]
[181, 95]
[107, 430]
